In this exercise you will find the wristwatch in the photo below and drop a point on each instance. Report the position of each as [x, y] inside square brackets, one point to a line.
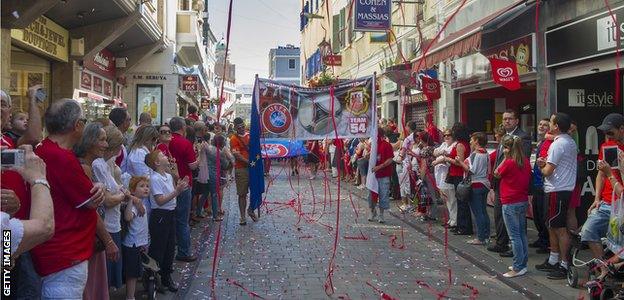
[42, 182]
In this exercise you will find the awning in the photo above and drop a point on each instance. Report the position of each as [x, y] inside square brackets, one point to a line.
[508, 26]
[460, 43]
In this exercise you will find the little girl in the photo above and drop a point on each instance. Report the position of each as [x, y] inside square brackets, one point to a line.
[137, 238]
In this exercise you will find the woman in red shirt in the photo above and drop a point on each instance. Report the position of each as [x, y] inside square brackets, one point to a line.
[455, 175]
[515, 174]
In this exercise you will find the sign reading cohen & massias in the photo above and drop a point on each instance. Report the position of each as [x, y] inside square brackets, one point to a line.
[373, 15]
[300, 113]
[44, 36]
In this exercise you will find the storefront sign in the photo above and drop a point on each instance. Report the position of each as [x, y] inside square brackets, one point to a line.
[373, 15]
[588, 99]
[149, 100]
[190, 83]
[97, 84]
[44, 36]
[519, 50]
[585, 38]
[85, 80]
[102, 63]
[150, 77]
[332, 60]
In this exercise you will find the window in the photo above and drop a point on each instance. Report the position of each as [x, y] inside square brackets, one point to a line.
[291, 64]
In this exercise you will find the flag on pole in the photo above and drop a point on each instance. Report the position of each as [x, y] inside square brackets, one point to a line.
[371, 181]
[256, 166]
[505, 73]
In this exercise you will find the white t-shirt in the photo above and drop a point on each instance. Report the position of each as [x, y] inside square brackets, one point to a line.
[138, 230]
[136, 162]
[562, 153]
[162, 185]
[103, 174]
[440, 170]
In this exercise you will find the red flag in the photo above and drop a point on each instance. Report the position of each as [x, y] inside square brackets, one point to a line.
[505, 73]
[431, 88]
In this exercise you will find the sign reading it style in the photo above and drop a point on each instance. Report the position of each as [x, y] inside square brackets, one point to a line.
[599, 37]
[373, 15]
[44, 36]
[103, 63]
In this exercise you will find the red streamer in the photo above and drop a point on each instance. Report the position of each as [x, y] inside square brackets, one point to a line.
[250, 293]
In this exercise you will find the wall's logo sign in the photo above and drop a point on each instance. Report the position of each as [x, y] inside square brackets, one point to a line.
[504, 72]
[606, 33]
[579, 98]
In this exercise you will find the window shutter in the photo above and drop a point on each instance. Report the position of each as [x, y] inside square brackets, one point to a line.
[336, 34]
[343, 41]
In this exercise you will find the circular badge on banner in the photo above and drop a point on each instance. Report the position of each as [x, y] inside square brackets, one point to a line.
[276, 118]
[275, 150]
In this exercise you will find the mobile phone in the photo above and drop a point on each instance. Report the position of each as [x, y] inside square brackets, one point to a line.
[11, 158]
[41, 95]
[610, 156]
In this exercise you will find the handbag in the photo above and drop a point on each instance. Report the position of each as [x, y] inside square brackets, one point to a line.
[465, 185]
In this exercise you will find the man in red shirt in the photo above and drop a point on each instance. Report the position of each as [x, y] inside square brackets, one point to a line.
[598, 213]
[383, 172]
[192, 113]
[184, 154]
[62, 261]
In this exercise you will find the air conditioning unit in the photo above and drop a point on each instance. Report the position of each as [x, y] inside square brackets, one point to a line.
[77, 47]
[120, 62]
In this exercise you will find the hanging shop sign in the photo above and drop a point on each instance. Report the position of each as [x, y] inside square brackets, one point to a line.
[45, 37]
[332, 60]
[585, 38]
[431, 88]
[190, 83]
[103, 63]
[373, 15]
[505, 73]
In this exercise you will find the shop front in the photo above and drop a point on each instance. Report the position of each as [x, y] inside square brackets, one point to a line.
[97, 90]
[482, 102]
[33, 49]
[154, 94]
[586, 80]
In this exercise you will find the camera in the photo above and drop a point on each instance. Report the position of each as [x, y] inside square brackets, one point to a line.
[12, 158]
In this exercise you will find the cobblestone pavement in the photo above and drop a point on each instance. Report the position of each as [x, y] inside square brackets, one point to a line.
[286, 254]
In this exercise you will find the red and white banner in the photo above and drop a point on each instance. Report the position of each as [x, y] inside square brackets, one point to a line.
[505, 73]
[431, 88]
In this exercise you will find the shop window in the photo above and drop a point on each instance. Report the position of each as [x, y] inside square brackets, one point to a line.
[27, 70]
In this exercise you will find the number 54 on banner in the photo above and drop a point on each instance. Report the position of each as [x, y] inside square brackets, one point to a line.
[357, 125]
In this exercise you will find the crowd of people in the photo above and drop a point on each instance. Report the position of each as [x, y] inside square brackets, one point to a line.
[455, 167]
[94, 198]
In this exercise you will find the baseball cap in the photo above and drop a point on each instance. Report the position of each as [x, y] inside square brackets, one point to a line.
[612, 120]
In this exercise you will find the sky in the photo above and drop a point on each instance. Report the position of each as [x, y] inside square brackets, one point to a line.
[257, 26]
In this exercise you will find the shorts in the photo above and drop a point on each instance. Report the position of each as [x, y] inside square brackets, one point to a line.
[133, 267]
[241, 177]
[199, 188]
[65, 284]
[597, 223]
[558, 208]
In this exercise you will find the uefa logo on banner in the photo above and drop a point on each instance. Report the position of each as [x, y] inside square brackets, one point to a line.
[276, 118]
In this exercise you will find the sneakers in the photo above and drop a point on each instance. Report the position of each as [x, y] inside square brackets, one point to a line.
[381, 216]
[252, 215]
[373, 216]
[558, 273]
[512, 273]
[243, 221]
[546, 266]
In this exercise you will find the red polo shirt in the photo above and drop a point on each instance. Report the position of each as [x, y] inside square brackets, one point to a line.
[13, 181]
[384, 152]
[74, 226]
[182, 150]
[607, 189]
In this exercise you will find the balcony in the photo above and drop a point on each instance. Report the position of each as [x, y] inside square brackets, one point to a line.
[189, 38]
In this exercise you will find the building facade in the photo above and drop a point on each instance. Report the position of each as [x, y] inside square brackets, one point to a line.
[284, 64]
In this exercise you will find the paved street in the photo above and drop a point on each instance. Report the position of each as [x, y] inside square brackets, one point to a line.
[286, 254]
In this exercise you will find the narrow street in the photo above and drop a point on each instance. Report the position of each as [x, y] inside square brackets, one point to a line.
[286, 254]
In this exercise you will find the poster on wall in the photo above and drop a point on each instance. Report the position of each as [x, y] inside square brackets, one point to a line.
[108, 88]
[85, 80]
[97, 84]
[293, 112]
[149, 100]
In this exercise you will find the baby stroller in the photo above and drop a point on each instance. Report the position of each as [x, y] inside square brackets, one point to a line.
[610, 285]
[151, 278]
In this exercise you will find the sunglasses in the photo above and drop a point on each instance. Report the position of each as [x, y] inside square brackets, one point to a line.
[448, 134]
[609, 133]
[165, 132]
